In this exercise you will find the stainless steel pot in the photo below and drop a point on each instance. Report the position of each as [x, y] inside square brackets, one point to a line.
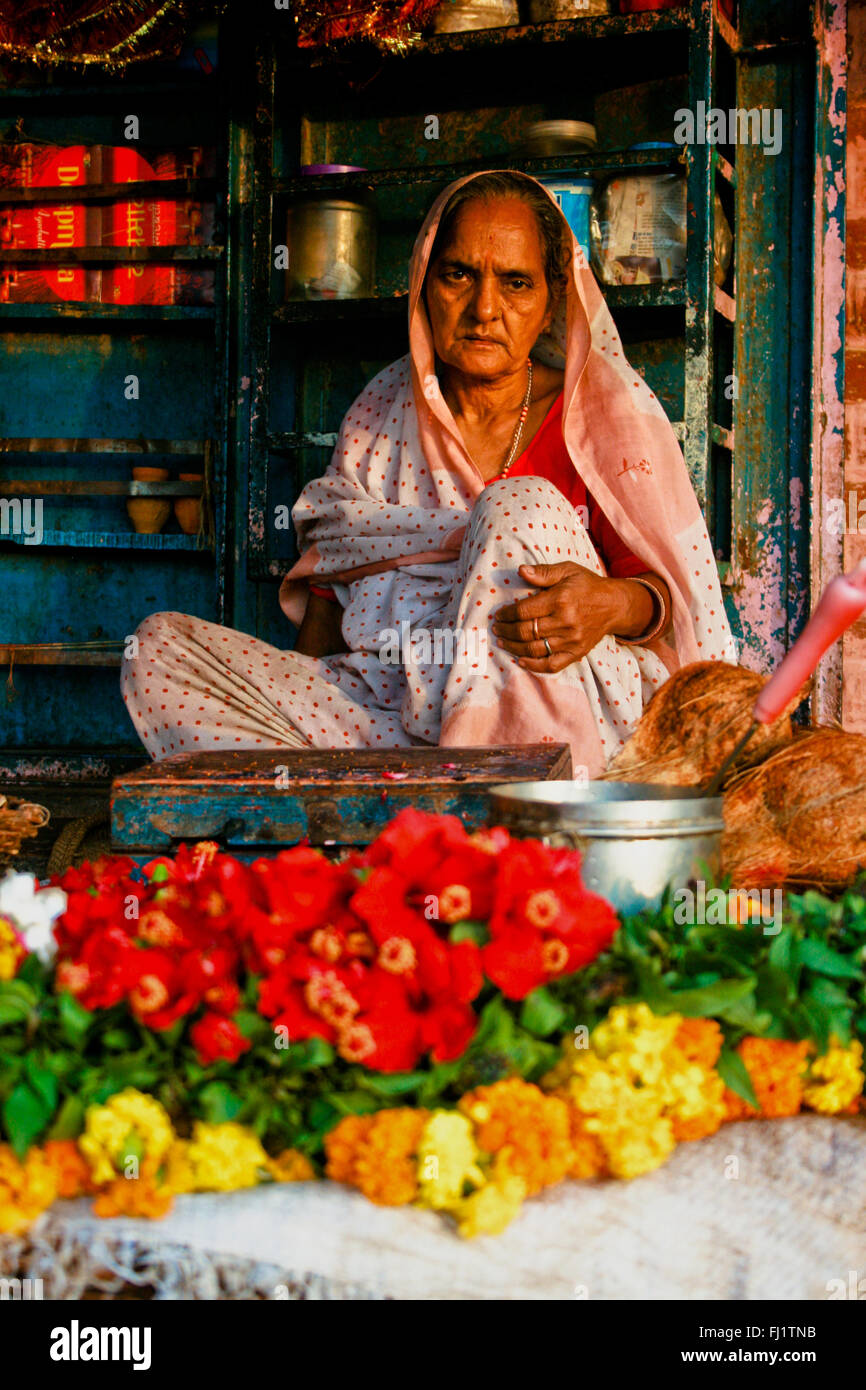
[332, 248]
[636, 838]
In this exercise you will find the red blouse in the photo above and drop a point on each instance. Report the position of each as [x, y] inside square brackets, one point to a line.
[546, 456]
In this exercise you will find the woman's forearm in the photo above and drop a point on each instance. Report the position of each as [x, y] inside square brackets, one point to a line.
[634, 607]
[321, 631]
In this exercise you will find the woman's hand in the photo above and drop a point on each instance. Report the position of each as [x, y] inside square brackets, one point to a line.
[321, 630]
[573, 611]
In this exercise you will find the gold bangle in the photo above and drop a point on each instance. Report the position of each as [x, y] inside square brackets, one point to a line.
[657, 623]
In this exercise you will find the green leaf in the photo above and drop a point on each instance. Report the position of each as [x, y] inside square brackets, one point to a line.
[13, 1011]
[541, 1014]
[219, 1102]
[735, 1074]
[818, 956]
[469, 931]
[69, 1120]
[160, 874]
[712, 1001]
[311, 1052]
[25, 1115]
[353, 1102]
[74, 1020]
[44, 1082]
[398, 1083]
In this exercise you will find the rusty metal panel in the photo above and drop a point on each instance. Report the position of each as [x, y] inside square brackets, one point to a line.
[769, 571]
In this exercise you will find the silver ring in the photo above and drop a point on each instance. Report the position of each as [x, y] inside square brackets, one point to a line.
[547, 645]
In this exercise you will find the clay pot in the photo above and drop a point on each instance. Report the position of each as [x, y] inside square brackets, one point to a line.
[149, 514]
[188, 509]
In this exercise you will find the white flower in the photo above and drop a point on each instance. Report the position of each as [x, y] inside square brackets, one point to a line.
[32, 910]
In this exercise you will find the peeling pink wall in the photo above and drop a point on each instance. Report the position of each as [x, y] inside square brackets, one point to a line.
[854, 645]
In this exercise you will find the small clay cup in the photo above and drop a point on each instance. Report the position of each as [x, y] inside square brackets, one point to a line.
[188, 509]
[149, 514]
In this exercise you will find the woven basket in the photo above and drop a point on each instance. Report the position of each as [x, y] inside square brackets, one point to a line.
[19, 821]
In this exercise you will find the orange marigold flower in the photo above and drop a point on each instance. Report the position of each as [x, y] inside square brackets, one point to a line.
[342, 1146]
[588, 1159]
[397, 955]
[699, 1040]
[291, 1166]
[142, 1196]
[528, 1132]
[776, 1068]
[455, 902]
[71, 1169]
[376, 1154]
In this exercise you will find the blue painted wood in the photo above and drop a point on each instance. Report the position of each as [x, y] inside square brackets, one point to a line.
[276, 797]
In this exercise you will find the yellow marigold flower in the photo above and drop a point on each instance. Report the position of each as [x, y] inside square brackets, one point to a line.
[26, 1189]
[179, 1175]
[377, 1154]
[835, 1080]
[225, 1157]
[636, 1092]
[447, 1160]
[11, 950]
[143, 1196]
[129, 1125]
[528, 1133]
[776, 1068]
[291, 1166]
[488, 1211]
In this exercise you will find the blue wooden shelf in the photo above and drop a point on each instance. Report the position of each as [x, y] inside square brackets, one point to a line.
[115, 540]
[111, 313]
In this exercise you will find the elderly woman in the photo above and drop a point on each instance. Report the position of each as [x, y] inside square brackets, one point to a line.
[505, 547]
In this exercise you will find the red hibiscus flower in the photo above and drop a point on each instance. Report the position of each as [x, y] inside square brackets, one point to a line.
[156, 995]
[217, 1038]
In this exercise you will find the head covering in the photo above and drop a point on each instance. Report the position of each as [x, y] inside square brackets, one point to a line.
[401, 481]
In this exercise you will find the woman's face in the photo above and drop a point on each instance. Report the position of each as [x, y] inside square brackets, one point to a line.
[487, 297]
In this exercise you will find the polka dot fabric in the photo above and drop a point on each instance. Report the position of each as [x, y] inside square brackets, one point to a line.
[440, 679]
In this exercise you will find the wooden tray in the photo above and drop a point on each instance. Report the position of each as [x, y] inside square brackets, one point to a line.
[344, 796]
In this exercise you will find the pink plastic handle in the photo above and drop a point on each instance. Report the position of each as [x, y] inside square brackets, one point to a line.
[842, 602]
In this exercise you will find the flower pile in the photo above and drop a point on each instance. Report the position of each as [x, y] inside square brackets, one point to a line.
[617, 1108]
[448, 1019]
[370, 954]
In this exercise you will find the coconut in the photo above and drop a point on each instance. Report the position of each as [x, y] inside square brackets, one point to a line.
[800, 816]
[693, 722]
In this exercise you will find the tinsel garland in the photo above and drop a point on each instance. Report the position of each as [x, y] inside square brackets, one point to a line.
[394, 26]
[109, 34]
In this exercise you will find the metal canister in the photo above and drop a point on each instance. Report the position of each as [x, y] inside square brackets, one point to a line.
[636, 839]
[332, 247]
